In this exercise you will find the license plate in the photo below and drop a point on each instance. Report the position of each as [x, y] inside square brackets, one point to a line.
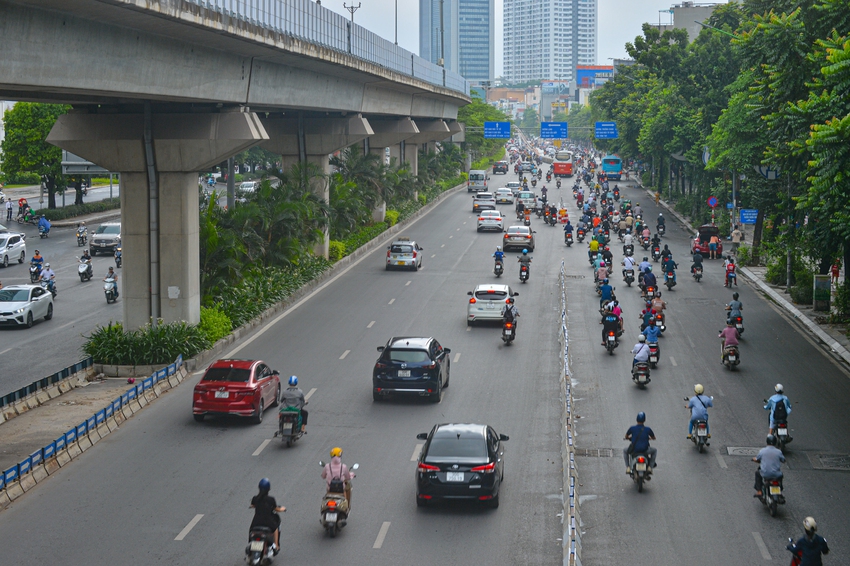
[782, 432]
[491, 306]
[731, 358]
[404, 373]
[222, 394]
[399, 263]
[653, 359]
[330, 517]
[641, 378]
[257, 545]
[640, 467]
[286, 427]
[701, 432]
[611, 338]
[508, 332]
[739, 326]
[775, 490]
[454, 476]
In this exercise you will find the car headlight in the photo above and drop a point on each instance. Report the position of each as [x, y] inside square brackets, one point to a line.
[21, 310]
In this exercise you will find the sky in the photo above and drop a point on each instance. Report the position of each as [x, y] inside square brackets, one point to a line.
[619, 21]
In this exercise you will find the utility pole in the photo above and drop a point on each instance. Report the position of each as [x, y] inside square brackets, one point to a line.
[352, 9]
[396, 23]
[442, 61]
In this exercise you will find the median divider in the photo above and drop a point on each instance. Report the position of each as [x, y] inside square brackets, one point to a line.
[44, 462]
[43, 390]
[571, 541]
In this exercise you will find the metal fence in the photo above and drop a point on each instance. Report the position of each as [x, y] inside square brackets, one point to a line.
[45, 382]
[306, 20]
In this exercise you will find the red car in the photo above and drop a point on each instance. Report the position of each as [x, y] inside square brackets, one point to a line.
[704, 234]
[236, 387]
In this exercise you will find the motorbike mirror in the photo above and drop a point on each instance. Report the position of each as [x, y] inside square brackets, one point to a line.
[355, 466]
[504, 437]
[515, 294]
[447, 350]
[469, 293]
[422, 436]
[380, 348]
[321, 463]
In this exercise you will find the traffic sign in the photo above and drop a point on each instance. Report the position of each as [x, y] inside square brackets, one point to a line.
[497, 130]
[606, 131]
[749, 215]
[712, 202]
[729, 205]
[768, 172]
[553, 130]
[706, 155]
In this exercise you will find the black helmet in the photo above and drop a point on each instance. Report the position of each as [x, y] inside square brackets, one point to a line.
[641, 417]
[265, 485]
[735, 296]
[771, 440]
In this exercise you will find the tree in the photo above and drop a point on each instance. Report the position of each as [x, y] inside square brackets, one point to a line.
[25, 149]
[473, 116]
[530, 120]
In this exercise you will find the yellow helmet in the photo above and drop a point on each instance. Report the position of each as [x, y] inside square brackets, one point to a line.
[336, 451]
[698, 389]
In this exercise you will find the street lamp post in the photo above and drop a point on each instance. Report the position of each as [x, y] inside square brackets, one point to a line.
[396, 22]
[352, 9]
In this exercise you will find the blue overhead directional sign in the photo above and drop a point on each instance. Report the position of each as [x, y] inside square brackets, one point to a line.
[497, 130]
[606, 131]
[749, 215]
[553, 130]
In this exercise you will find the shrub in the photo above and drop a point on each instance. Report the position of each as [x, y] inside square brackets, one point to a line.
[22, 179]
[423, 200]
[745, 255]
[80, 209]
[215, 325]
[159, 344]
[362, 236]
[391, 217]
[407, 209]
[802, 292]
[336, 250]
[841, 302]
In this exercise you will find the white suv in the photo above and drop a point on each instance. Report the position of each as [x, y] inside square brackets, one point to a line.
[486, 302]
[12, 247]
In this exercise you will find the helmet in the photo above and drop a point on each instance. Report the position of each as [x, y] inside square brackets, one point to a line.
[735, 296]
[336, 451]
[660, 215]
[46, 265]
[524, 252]
[605, 281]
[601, 264]
[771, 440]
[645, 258]
[641, 417]
[265, 485]
[649, 268]
[36, 252]
[641, 338]
[658, 294]
[498, 248]
[293, 380]
[637, 204]
[83, 223]
[810, 525]
[699, 389]
[778, 388]
[510, 300]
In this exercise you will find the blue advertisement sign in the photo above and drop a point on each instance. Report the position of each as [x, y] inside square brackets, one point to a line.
[749, 215]
[497, 130]
[553, 130]
[606, 131]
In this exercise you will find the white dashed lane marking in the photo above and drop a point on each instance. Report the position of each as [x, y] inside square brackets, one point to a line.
[721, 461]
[371, 324]
[408, 283]
[309, 394]
[443, 246]
[759, 543]
[391, 301]
[192, 524]
[345, 353]
[262, 446]
[673, 361]
[382, 534]
[433, 256]
[457, 357]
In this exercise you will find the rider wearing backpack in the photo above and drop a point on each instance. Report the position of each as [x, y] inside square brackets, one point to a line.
[337, 475]
[779, 407]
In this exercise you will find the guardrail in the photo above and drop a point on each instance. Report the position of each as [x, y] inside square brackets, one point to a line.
[42, 384]
[570, 518]
[23, 476]
[307, 20]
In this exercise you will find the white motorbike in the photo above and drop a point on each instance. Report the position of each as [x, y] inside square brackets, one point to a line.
[84, 270]
[110, 289]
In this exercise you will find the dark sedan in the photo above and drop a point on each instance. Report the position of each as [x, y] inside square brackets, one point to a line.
[414, 365]
[460, 461]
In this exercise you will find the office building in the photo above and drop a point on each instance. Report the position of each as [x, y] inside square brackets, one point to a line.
[464, 36]
[548, 39]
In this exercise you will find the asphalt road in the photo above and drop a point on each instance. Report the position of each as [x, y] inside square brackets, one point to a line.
[32, 195]
[700, 505]
[32, 353]
[128, 499]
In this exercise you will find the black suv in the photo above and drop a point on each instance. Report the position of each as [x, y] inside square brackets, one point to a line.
[500, 167]
[410, 364]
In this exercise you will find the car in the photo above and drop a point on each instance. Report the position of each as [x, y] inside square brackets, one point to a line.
[404, 252]
[514, 186]
[483, 201]
[461, 461]
[486, 302]
[248, 186]
[13, 246]
[703, 236]
[21, 305]
[504, 195]
[106, 238]
[500, 167]
[413, 365]
[519, 237]
[490, 220]
[526, 166]
[245, 388]
[528, 199]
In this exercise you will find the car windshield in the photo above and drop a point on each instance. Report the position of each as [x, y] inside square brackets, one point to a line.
[13, 295]
[518, 230]
[526, 195]
[491, 295]
[109, 229]
[460, 450]
[402, 249]
[407, 356]
[476, 177]
[228, 374]
[491, 213]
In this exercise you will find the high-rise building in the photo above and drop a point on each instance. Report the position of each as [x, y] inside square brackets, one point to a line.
[464, 36]
[548, 39]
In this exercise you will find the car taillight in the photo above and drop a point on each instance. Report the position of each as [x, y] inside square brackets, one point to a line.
[472, 301]
[480, 218]
[388, 253]
[414, 255]
[485, 469]
[528, 236]
[427, 468]
[380, 365]
[506, 236]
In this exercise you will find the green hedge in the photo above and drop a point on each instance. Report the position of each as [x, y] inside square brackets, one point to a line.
[362, 236]
[336, 250]
[74, 210]
[215, 325]
[160, 344]
[391, 217]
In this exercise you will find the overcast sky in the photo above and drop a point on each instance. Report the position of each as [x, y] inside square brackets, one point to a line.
[619, 21]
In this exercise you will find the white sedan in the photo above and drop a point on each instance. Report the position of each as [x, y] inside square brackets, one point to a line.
[21, 305]
[490, 220]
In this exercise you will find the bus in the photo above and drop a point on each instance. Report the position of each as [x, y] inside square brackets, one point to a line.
[612, 167]
[564, 156]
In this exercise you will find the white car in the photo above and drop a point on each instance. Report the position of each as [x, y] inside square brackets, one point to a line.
[514, 186]
[21, 305]
[248, 186]
[490, 220]
[504, 195]
[13, 246]
[486, 302]
[483, 201]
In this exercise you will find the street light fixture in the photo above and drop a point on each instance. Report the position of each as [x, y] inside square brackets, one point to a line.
[352, 9]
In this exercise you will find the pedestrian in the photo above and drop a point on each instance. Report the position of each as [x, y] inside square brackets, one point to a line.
[737, 238]
[836, 269]
[8, 210]
[657, 197]
[712, 246]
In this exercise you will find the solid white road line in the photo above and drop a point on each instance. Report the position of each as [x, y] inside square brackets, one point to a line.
[345, 353]
[391, 301]
[433, 256]
[457, 357]
[382, 534]
[408, 283]
[443, 246]
[759, 543]
[673, 361]
[721, 461]
[189, 527]
[416, 452]
[371, 324]
[263, 445]
[309, 394]
[468, 328]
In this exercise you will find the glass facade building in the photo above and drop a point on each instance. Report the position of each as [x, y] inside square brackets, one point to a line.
[467, 44]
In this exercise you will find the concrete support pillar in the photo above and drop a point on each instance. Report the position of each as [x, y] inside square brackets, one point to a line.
[159, 157]
[411, 156]
[429, 131]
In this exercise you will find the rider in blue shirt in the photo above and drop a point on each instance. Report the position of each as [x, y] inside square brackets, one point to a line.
[699, 405]
[640, 435]
[652, 332]
[669, 266]
[607, 293]
[568, 227]
[771, 406]
[499, 254]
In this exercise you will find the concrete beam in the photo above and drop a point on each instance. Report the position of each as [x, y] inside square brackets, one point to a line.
[391, 131]
[319, 136]
[458, 131]
[429, 130]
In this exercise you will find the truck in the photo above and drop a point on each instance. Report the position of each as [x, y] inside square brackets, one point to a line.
[562, 169]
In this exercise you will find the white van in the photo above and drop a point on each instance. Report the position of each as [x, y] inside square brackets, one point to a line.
[477, 181]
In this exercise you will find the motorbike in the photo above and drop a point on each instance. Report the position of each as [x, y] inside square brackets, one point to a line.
[548, 177]
[641, 471]
[669, 280]
[611, 342]
[259, 550]
[739, 324]
[575, 192]
[659, 321]
[539, 211]
[640, 374]
[644, 242]
[699, 435]
[580, 235]
[568, 238]
[35, 271]
[654, 354]
[731, 279]
[552, 220]
[335, 509]
[523, 273]
[660, 229]
[533, 182]
[628, 250]
[558, 183]
[498, 268]
[650, 292]
[118, 257]
[110, 289]
[289, 425]
[616, 194]
[656, 253]
[84, 270]
[697, 273]
[731, 357]
[82, 237]
[592, 257]
[50, 286]
[43, 232]
[630, 277]
[508, 332]
[782, 436]
[771, 495]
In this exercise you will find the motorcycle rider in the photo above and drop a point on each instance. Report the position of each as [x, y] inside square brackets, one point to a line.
[697, 261]
[43, 224]
[649, 278]
[655, 242]
[293, 397]
[810, 547]
[606, 254]
[660, 221]
[771, 459]
[699, 404]
[658, 304]
[335, 469]
[652, 332]
[734, 307]
[568, 228]
[510, 313]
[607, 293]
[637, 210]
[37, 260]
[627, 239]
[593, 247]
[628, 263]
[731, 276]
[602, 272]
[640, 435]
[499, 255]
[525, 260]
[86, 258]
[641, 351]
[646, 232]
[775, 399]
[266, 512]
[110, 274]
[520, 209]
[668, 265]
[642, 267]
[48, 275]
[729, 336]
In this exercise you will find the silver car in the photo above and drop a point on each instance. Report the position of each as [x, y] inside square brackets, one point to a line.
[504, 196]
[12, 247]
[106, 238]
[519, 237]
[21, 305]
[486, 302]
[404, 253]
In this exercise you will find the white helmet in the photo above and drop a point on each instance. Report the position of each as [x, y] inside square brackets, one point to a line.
[778, 388]
[810, 525]
[641, 338]
[699, 389]
[498, 248]
[46, 265]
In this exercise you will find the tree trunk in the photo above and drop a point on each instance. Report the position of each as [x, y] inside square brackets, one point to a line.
[50, 185]
[757, 236]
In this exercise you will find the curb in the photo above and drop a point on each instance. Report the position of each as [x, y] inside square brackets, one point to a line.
[93, 217]
[43, 390]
